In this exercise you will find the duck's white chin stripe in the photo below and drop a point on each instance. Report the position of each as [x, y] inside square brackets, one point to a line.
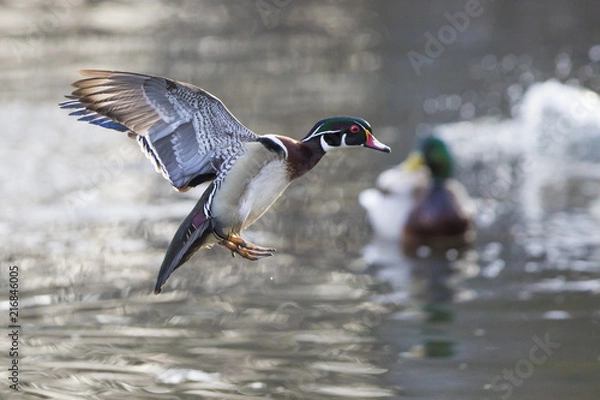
[326, 146]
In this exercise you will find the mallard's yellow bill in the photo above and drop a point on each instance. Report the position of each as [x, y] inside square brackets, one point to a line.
[413, 162]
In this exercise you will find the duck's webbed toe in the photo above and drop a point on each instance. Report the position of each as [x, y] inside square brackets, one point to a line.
[245, 249]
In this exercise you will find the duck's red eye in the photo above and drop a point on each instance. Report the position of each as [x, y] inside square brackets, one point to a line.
[354, 129]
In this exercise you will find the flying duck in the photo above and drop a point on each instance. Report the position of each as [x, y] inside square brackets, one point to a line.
[191, 137]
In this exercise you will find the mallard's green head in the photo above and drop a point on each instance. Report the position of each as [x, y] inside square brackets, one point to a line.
[433, 153]
[437, 157]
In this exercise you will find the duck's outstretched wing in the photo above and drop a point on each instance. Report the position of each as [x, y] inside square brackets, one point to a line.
[187, 133]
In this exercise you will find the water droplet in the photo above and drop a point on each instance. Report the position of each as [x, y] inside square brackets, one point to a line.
[489, 62]
[514, 92]
[423, 251]
[509, 62]
[594, 52]
[563, 65]
[467, 111]
[532, 267]
[452, 254]
[453, 102]
[430, 106]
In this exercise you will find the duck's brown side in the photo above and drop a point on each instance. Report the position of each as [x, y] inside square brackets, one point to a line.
[437, 221]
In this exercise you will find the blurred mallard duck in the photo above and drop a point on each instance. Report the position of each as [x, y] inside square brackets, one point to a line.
[419, 204]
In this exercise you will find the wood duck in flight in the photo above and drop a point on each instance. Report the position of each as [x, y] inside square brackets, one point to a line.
[192, 138]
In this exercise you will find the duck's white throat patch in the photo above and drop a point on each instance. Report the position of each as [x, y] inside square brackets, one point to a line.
[326, 146]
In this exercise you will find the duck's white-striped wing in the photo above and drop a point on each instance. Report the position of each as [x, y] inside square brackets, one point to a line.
[188, 133]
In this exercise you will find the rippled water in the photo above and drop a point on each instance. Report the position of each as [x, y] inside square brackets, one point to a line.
[332, 315]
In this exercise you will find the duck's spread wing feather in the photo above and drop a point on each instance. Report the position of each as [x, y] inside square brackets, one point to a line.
[187, 133]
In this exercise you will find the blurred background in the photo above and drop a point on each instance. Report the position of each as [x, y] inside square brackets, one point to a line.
[510, 85]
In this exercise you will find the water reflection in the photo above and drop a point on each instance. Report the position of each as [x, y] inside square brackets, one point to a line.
[533, 251]
[306, 335]
[427, 287]
[88, 232]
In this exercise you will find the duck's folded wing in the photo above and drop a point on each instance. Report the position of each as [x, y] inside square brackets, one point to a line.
[185, 131]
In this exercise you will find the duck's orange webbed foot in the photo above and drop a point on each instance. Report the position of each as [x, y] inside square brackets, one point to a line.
[245, 249]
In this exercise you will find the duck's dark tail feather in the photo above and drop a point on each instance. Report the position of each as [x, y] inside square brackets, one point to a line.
[190, 236]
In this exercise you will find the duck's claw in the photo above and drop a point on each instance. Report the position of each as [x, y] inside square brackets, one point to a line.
[245, 249]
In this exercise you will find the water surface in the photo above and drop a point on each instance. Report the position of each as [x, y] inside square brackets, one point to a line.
[87, 220]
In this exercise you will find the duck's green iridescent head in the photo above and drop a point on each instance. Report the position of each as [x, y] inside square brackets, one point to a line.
[339, 132]
[433, 153]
